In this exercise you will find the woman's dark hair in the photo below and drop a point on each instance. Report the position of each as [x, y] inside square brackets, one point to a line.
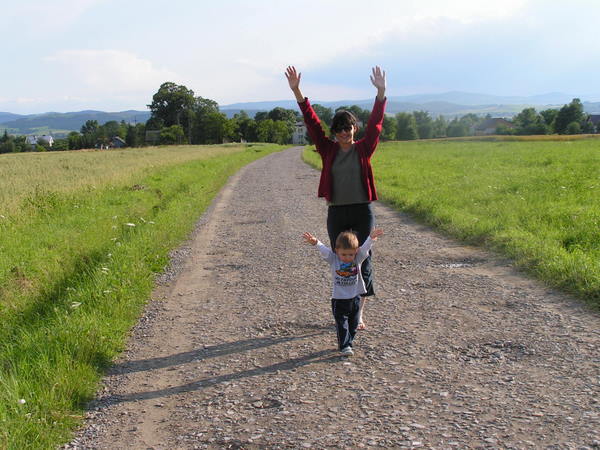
[343, 119]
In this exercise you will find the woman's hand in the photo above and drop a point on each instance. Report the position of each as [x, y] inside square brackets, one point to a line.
[378, 80]
[293, 77]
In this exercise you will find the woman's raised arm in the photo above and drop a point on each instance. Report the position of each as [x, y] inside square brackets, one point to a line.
[378, 80]
[293, 78]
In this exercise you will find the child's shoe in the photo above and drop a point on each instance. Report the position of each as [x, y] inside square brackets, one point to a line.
[347, 351]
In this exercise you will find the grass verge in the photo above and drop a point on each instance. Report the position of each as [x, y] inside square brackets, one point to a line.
[537, 202]
[77, 267]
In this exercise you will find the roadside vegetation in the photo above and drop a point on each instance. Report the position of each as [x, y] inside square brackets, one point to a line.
[82, 235]
[535, 201]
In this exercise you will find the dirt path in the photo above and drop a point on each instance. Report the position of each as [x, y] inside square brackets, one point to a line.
[238, 350]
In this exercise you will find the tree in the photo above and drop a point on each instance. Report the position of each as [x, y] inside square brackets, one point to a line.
[275, 131]
[214, 128]
[172, 105]
[286, 115]
[573, 128]
[388, 133]
[424, 124]
[440, 126]
[246, 127]
[8, 146]
[203, 108]
[261, 115]
[406, 127]
[529, 122]
[60, 144]
[172, 135]
[131, 137]
[457, 128]
[325, 114]
[74, 140]
[573, 112]
[89, 133]
[549, 116]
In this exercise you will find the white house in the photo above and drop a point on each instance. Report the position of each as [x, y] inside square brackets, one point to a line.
[299, 134]
[44, 139]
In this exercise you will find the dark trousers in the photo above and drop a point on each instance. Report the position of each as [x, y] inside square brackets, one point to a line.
[345, 312]
[360, 219]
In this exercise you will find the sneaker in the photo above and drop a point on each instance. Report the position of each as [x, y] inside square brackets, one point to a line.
[347, 351]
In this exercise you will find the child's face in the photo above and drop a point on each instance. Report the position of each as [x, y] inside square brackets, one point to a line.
[346, 254]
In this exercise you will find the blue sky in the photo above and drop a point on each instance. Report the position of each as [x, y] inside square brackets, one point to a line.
[69, 55]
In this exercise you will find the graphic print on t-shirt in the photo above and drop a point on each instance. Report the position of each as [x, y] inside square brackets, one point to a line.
[346, 274]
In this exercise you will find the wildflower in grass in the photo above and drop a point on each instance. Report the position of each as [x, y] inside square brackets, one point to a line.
[22, 401]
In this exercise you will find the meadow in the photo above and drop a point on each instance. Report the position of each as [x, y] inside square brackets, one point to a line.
[536, 201]
[82, 236]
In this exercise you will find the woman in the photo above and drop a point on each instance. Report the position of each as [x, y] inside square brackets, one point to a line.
[347, 181]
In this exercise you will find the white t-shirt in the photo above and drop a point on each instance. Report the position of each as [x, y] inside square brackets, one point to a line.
[347, 278]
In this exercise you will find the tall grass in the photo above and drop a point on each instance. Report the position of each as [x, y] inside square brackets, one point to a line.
[537, 202]
[78, 263]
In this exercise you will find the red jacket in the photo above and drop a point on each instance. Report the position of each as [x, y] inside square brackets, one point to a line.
[328, 148]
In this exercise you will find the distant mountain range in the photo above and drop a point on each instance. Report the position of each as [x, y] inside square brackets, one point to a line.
[449, 104]
[61, 124]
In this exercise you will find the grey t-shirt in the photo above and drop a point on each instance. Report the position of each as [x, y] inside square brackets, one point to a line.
[347, 277]
[346, 174]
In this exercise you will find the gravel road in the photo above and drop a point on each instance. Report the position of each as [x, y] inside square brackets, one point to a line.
[238, 349]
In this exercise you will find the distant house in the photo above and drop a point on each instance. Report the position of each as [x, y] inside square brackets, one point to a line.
[489, 126]
[299, 134]
[117, 142]
[41, 140]
[595, 119]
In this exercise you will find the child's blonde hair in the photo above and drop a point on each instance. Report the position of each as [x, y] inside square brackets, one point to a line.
[347, 240]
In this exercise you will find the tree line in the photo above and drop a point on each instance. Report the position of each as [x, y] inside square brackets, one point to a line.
[178, 117]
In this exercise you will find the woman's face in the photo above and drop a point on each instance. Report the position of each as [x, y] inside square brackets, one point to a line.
[345, 135]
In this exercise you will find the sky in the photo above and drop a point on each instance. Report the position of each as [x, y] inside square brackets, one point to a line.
[72, 55]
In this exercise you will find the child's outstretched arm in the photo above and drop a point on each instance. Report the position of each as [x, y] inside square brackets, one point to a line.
[325, 251]
[363, 250]
[376, 233]
[309, 238]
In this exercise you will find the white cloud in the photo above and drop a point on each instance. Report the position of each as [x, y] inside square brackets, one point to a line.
[110, 71]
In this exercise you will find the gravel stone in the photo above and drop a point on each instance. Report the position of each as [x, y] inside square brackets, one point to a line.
[237, 347]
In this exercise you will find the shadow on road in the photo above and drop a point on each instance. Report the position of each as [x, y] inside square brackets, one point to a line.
[203, 353]
[326, 356]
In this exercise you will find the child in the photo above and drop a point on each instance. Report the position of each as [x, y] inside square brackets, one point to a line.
[348, 283]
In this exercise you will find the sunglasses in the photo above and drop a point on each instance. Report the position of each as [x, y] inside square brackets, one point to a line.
[347, 128]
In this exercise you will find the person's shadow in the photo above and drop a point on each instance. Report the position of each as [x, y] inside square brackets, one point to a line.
[328, 356]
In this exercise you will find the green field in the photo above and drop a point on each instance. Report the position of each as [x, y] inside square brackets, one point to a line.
[82, 236]
[536, 201]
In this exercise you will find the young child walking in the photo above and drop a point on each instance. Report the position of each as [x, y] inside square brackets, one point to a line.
[348, 283]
